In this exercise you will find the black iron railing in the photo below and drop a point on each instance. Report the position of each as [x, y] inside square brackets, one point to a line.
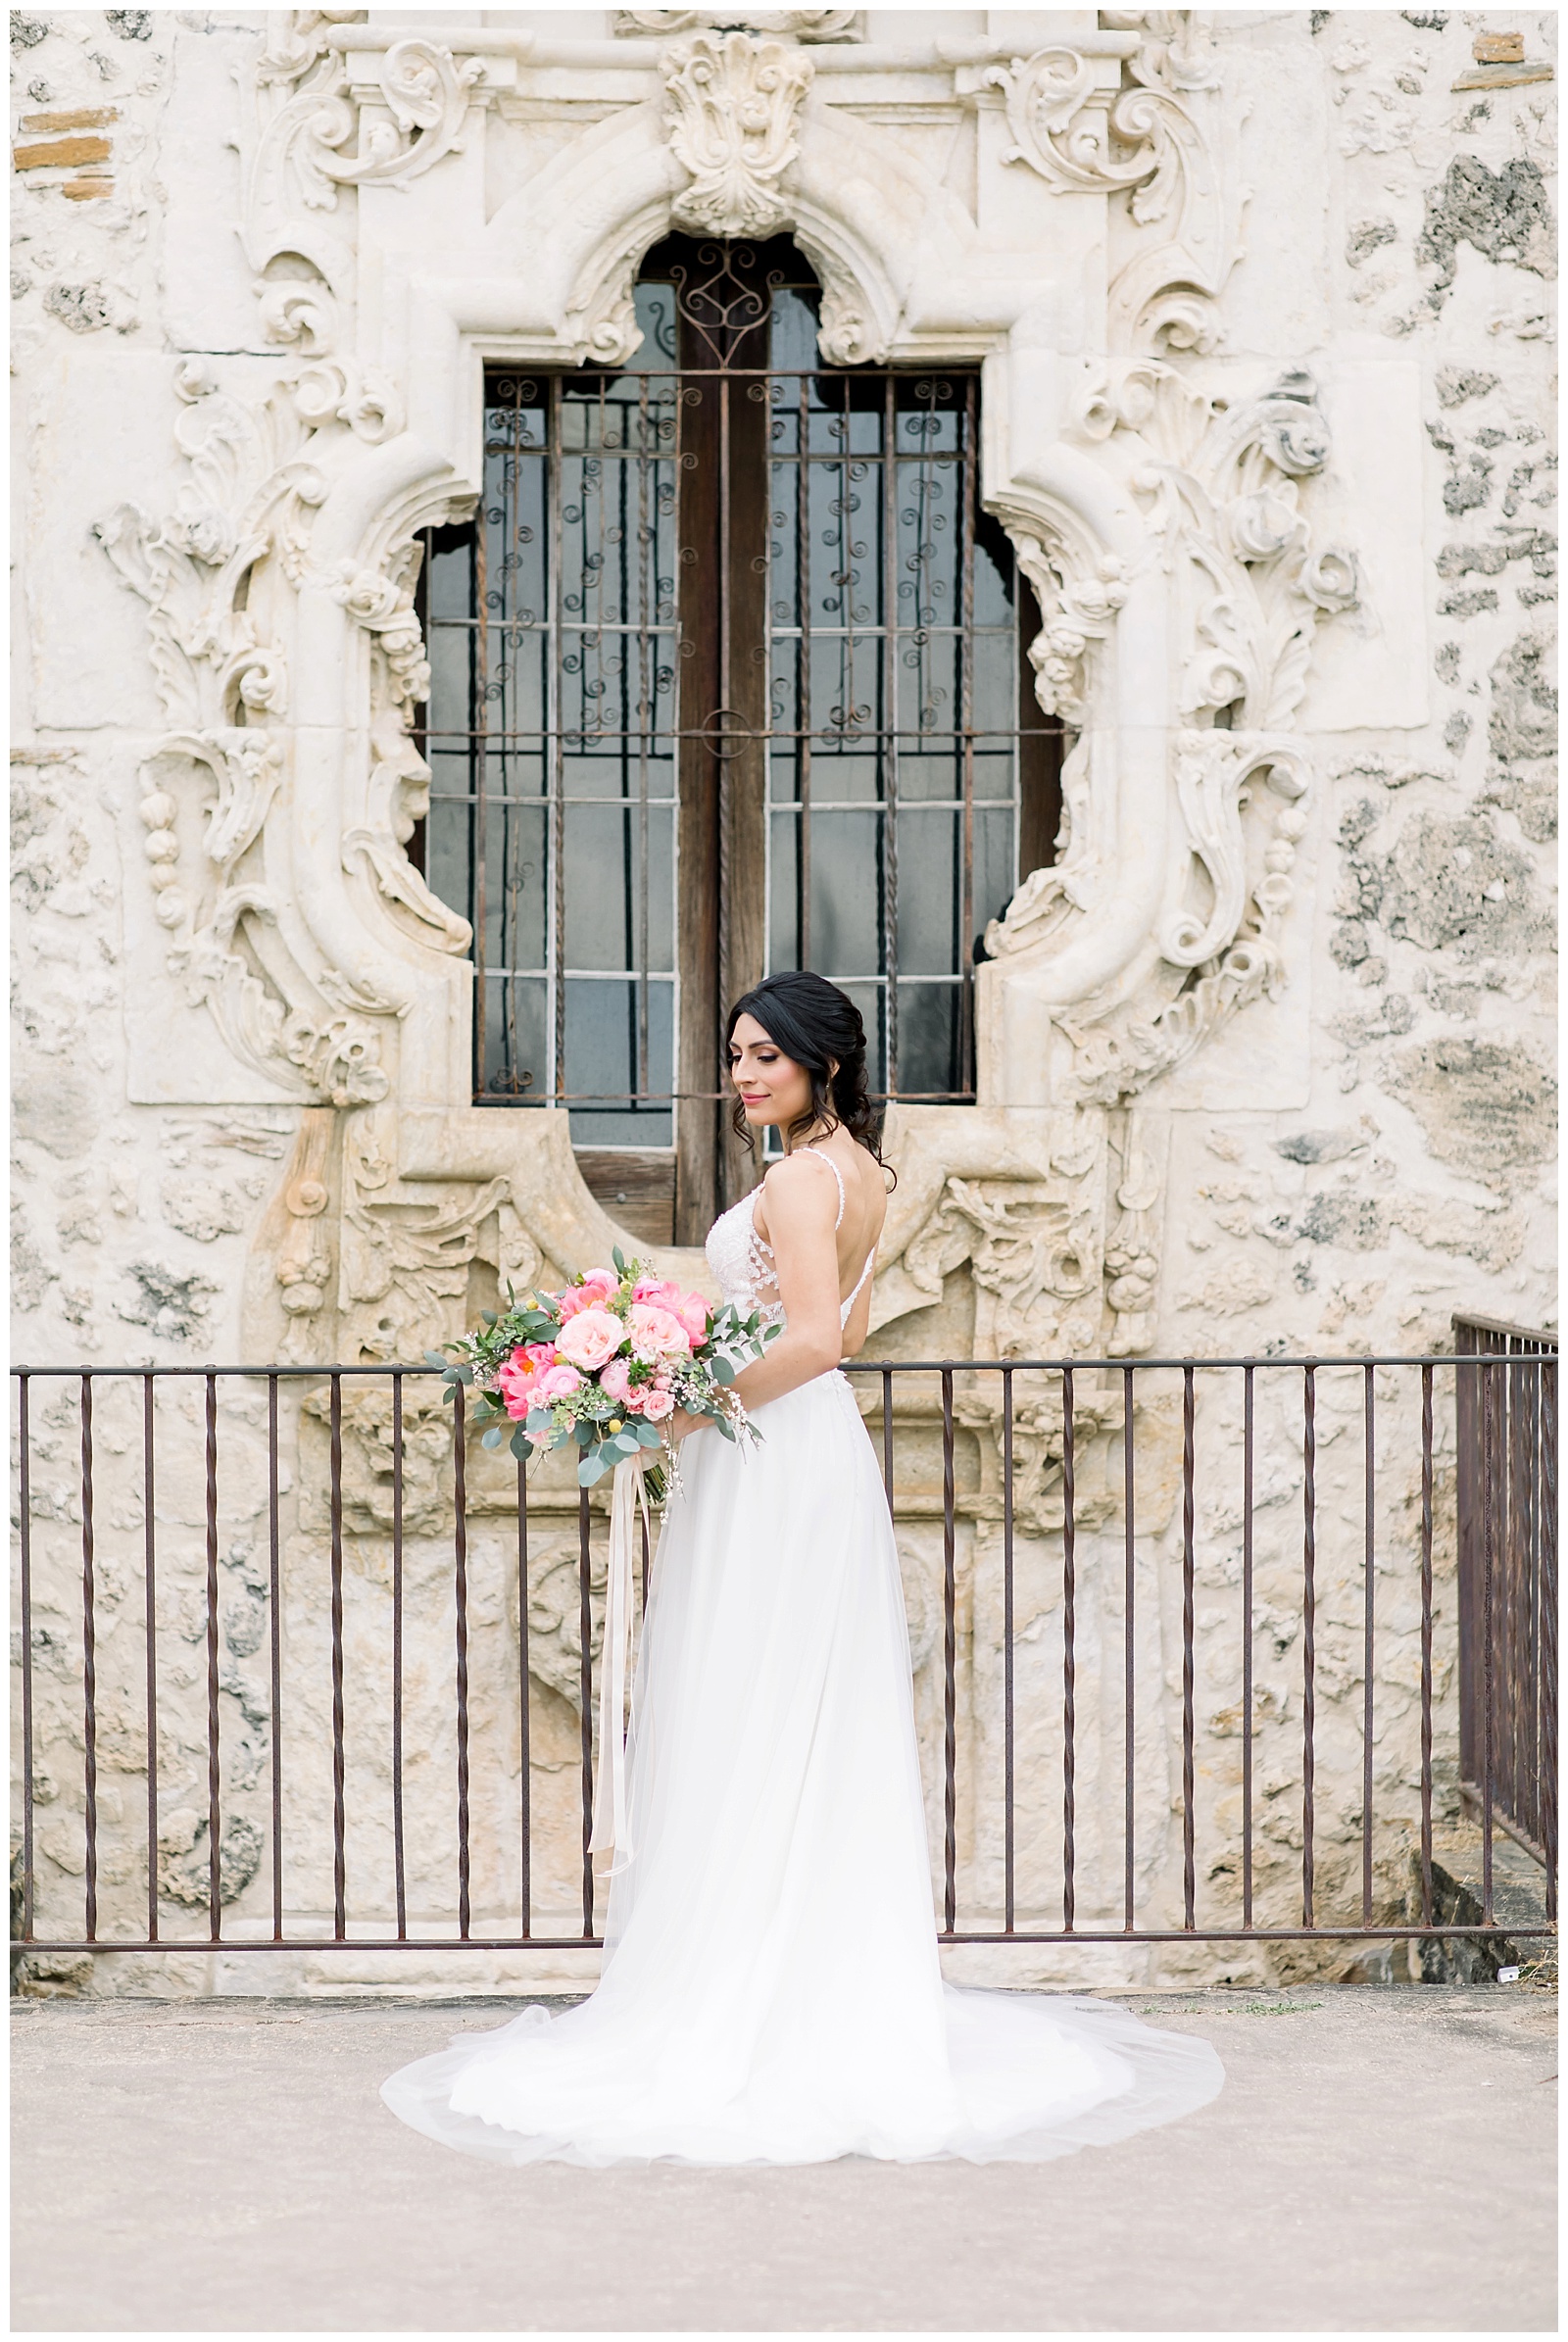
[298, 1661]
[1506, 1459]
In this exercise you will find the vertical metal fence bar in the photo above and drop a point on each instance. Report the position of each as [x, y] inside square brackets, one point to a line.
[1009, 1848]
[1369, 1500]
[215, 1838]
[1426, 1647]
[275, 1582]
[1188, 1588]
[949, 1655]
[1489, 1522]
[149, 1546]
[400, 1882]
[887, 1434]
[889, 729]
[480, 743]
[460, 1588]
[90, 1667]
[25, 1539]
[1069, 1657]
[335, 1468]
[1308, 1630]
[585, 1678]
[556, 717]
[1529, 1485]
[1129, 1670]
[525, 1737]
[1512, 1609]
[1248, 1442]
[1548, 1372]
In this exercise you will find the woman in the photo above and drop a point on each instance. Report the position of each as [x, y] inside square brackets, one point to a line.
[771, 1990]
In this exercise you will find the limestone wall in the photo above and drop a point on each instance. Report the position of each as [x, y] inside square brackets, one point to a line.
[1267, 1059]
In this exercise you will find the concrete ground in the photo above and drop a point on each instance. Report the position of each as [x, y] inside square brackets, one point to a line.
[1379, 2160]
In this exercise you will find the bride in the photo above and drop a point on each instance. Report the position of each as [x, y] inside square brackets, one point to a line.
[771, 1990]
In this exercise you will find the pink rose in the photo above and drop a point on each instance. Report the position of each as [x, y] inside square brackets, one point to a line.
[616, 1380]
[656, 1332]
[689, 1309]
[590, 1339]
[558, 1381]
[593, 1293]
[657, 1405]
[692, 1311]
[518, 1378]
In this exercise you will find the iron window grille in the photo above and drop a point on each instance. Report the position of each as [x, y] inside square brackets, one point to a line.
[729, 675]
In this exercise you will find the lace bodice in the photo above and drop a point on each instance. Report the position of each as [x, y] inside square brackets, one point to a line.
[743, 1264]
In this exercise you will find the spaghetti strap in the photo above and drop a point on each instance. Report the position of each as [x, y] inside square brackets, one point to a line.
[838, 1175]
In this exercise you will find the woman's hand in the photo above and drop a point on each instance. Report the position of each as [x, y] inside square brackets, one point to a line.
[682, 1422]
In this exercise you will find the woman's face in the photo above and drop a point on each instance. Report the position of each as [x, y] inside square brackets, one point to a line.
[773, 1086]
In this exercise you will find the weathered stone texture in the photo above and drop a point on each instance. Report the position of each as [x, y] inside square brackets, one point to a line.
[1324, 433]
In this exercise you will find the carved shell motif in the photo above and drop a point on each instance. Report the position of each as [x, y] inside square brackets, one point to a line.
[734, 105]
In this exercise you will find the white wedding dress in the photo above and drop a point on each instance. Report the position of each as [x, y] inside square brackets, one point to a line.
[770, 1990]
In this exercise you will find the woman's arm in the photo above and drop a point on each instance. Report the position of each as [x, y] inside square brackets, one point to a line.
[803, 1202]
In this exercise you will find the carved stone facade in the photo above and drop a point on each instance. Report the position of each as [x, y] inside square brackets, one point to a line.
[1262, 313]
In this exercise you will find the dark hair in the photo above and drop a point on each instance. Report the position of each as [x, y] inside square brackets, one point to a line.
[816, 1025]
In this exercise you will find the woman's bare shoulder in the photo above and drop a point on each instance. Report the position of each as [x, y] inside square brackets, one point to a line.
[800, 1176]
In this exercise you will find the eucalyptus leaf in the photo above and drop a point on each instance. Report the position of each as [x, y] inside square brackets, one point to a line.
[492, 1437]
[520, 1446]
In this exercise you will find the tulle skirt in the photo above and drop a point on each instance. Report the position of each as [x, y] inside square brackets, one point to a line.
[771, 1992]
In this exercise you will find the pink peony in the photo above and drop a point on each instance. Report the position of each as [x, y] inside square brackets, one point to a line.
[558, 1381]
[657, 1405]
[590, 1339]
[616, 1380]
[518, 1378]
[656, 1332]
[596, 1289]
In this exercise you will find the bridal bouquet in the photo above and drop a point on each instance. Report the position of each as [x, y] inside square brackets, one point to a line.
[604, 1364]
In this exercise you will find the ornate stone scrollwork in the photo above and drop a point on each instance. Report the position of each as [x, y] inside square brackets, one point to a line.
[1068, 125]
[1158, 141]
[733, 109]
[424, 89]
[1078, 604]
[1219, 487]
[214, 573]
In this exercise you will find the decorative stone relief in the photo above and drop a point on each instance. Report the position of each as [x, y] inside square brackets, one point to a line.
[304, 1260]
[1159, 139]
[418, 84]
[801, 24]
[218, 575]
[1218, 489]
[734, 106]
